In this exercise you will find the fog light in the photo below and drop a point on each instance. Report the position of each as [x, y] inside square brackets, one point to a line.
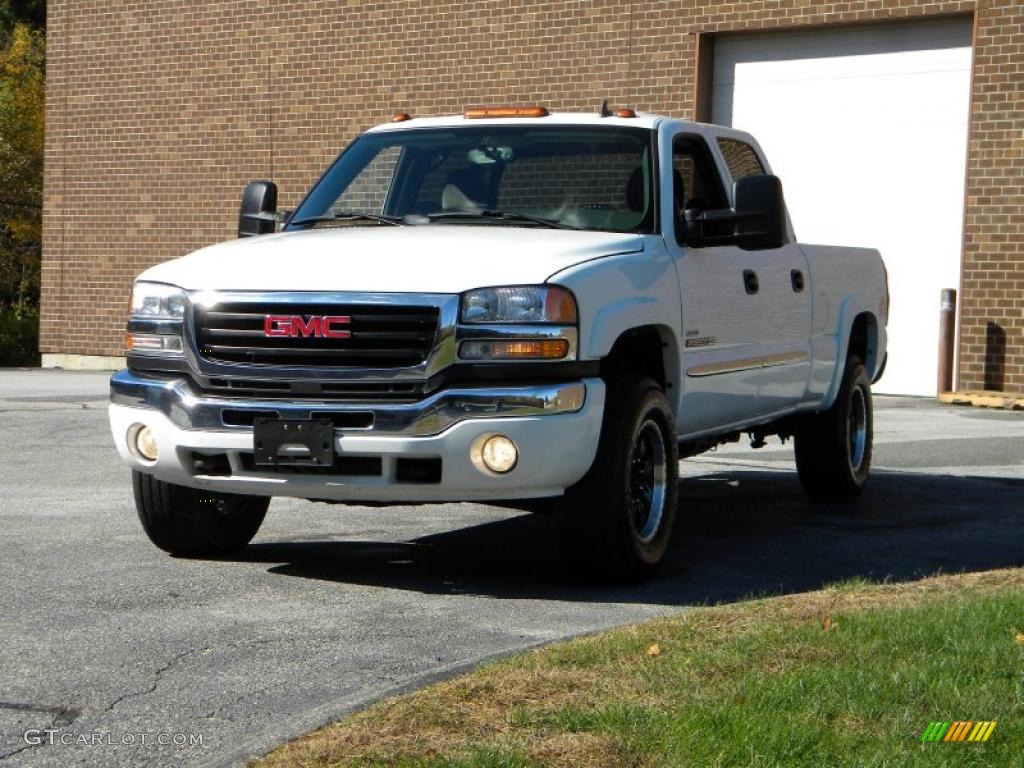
[142, 439]
[499, 454]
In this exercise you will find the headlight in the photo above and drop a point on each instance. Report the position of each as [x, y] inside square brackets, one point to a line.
[519, 304]
[158, 301]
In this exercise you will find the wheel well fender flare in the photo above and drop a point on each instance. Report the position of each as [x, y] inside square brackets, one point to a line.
[618, 328]
[857, 333]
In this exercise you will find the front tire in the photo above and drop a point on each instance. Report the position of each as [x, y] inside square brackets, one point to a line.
[188, 522]
[618, 519]
[833, 448]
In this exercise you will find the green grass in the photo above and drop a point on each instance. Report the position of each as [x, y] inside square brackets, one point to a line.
[850, 675]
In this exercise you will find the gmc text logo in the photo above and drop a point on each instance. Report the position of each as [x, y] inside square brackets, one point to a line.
[319, 326]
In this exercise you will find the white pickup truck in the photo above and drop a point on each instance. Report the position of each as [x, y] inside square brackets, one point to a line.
[510, 306]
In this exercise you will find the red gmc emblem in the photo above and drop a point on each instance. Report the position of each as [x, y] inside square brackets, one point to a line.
[319, 326]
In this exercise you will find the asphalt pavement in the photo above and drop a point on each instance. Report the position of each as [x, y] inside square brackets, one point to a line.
[113, 653]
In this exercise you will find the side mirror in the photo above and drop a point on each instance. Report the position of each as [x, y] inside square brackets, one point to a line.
[709, 227]
[258, 212]
[760, 213]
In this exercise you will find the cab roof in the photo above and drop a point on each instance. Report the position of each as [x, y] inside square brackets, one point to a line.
[642, 120]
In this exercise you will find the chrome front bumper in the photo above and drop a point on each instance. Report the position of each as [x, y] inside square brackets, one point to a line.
[555, 426]
[178, 400]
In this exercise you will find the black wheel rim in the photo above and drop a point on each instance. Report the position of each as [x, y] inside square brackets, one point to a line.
[647, 481]
[857, 429]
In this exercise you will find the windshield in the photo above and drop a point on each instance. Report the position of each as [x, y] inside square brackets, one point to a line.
[578, 177]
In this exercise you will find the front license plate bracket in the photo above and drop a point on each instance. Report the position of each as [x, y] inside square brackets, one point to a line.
[292, 442]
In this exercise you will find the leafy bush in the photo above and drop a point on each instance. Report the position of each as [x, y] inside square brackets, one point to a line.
[22, 62]
[19, 337]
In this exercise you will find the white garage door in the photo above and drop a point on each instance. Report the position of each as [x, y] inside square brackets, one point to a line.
[867, 126]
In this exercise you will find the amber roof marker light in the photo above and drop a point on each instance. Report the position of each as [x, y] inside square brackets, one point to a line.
[477, 113]
[621, 112]
[400, 117]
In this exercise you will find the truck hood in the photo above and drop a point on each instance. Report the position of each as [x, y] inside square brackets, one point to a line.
[435, 258]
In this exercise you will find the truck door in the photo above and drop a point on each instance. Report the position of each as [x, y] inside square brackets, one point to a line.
[722, 309]
[784, 285]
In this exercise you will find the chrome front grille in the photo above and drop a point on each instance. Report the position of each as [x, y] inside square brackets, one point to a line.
[374, 336]
[268, 389]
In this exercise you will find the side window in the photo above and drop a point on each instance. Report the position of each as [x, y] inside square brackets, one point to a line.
[695, 181]
[369, 192]
[741, 158]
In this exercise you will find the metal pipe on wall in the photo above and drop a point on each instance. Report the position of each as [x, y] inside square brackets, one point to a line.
[947, 340]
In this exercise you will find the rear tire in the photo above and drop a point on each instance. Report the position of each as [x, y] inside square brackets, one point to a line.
[189, 522]
[617, 521]
[833, 448]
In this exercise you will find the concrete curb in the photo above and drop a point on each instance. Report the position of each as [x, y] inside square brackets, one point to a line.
[82, 362]
[1010, 401]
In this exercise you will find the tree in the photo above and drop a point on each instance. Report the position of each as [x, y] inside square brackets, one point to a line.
[22, 88]
[31, 12]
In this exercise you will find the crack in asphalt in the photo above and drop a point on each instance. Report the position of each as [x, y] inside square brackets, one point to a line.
[60, 716]
[57, 712]
[18, 751]
[178, 658]
[157, 675]
[65, 712]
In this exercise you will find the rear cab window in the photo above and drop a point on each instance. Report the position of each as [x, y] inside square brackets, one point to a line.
[741, 159]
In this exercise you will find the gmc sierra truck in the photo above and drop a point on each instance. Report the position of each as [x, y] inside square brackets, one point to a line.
[509, 306]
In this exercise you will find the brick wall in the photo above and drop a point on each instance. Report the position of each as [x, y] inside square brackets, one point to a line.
[992, 301]
[158, 113]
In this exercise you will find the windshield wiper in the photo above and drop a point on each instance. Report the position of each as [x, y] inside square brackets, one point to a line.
[501, 216]
[350, 216]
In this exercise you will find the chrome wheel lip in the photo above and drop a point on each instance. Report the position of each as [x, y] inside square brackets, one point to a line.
[647, 488]
[857, 429]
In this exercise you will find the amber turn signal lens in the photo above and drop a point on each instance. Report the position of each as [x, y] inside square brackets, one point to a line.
[151, 342]
[518, 349]
[559, 306]
[476, 113]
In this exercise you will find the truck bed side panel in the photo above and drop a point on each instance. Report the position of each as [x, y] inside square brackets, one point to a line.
[845, 282]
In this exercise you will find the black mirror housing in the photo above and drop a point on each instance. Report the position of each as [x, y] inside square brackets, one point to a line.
[708, 227]
[257, 214]
[760, 212]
